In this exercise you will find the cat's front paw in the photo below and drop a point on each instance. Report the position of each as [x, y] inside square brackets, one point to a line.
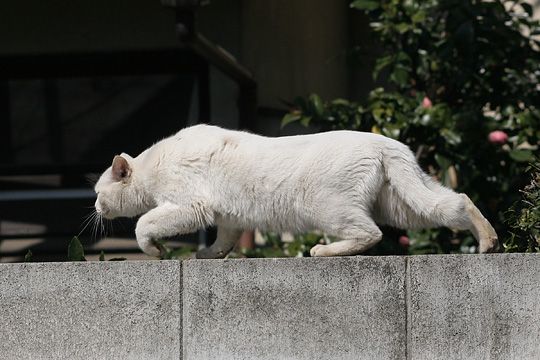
[150, 248]
[318, 250]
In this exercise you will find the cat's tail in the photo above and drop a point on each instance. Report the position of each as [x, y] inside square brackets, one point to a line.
[415, 200]
[409, 183]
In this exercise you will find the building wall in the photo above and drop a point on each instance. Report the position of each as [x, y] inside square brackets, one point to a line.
[292, 47]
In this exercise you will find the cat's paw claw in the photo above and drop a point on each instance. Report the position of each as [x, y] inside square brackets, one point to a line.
[317, 250]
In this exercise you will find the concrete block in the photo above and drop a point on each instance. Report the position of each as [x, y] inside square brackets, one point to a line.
[311, 308]
[475, 307]
[92, 310]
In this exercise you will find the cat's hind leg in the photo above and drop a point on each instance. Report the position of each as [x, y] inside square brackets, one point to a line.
[354, 239]
[225, 241]
[480, 227]
[457, 211]
[410, 199]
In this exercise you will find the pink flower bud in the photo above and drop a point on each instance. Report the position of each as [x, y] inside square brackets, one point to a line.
[426, 103]
[404, 241]
[497, 137]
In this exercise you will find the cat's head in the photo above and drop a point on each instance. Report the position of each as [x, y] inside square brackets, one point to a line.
[118, 194]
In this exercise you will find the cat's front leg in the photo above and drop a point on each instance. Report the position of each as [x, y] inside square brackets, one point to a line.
[225, 241]
[164, 221]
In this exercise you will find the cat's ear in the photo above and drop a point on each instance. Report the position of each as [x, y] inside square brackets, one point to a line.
[120, 168]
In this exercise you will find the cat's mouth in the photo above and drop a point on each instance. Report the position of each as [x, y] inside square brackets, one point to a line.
[103, 211]
[107, 214]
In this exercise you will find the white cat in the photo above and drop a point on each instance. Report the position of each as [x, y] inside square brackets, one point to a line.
[342, 183]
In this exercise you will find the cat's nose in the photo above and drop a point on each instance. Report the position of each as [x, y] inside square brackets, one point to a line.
[97, 205]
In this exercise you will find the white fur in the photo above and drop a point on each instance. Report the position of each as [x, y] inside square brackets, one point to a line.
[341, 182]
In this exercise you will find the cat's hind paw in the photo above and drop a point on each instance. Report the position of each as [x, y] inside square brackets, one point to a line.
[489, 244]
[209, 253]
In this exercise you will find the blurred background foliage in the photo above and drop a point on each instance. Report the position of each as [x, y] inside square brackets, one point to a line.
[524, 218]
[461, 89]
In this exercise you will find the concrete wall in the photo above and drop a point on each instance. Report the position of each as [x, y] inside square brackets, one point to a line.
[97, 310]
[474, 307]
[423, 307]
[334, 308]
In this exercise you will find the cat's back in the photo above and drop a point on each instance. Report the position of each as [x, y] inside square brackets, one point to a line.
[208, 140]
[335, 137]
[331, 144]
[195, 139]
[211, 135]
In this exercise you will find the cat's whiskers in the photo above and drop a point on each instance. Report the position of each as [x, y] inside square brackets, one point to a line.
[87, 220]
[103, 229]
[95, 227]
[92, 179]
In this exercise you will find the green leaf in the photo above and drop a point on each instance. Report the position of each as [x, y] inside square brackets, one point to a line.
[102, 256]
[443, 162]
[28, 256]
[365, 4]
[522, 155]
[378, 114]
[419, 16]
[316, 104]
[380, 64]
[402, 28]
[400, 76]
[289, 118]
[403, 57]
[305, 120]
[451, 137]
[342, 102]
[75, 250]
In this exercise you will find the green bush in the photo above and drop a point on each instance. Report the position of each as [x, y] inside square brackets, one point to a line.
[524, 218]
[461, 90]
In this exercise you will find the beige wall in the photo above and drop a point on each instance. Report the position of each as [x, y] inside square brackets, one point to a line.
[296, 47]
[292, 47]
[64, 25]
